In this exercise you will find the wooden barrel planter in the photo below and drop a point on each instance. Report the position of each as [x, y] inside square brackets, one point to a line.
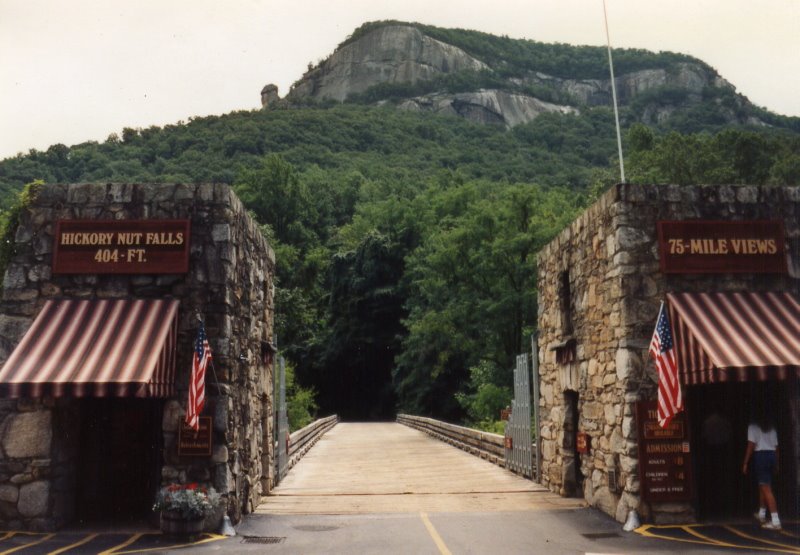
[178, 527]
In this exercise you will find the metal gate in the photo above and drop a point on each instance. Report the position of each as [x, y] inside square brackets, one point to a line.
[282, 425]
[519, 450]
[537, 444]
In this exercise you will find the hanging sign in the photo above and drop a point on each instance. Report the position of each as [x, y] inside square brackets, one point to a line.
[583, 442]
[664, 456]
[703, 247]
[121, 247]
[193, 443]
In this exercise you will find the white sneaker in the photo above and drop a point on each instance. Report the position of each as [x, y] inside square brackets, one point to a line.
[771, 526]
[759, 517]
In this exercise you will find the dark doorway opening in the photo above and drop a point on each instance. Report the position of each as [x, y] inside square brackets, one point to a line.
[120, 459]
[719, 415]
[573, 477]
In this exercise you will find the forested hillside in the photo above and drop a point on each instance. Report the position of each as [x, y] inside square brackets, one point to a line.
[405, 241]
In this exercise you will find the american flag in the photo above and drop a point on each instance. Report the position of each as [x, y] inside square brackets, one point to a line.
[670, 400]
[197, 381]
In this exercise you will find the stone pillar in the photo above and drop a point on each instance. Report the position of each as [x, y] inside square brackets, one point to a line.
[26, 465]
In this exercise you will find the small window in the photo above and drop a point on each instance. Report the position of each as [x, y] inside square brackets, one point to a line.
[566, 353]
[565, 295]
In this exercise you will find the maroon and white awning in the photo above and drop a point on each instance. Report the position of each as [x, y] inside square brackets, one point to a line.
[96, 348]
[735, 336]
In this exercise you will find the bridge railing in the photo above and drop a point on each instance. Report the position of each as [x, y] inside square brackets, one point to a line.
[485, 445]
[304, 439]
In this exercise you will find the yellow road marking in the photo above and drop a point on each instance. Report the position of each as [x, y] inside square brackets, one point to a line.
[87, 539]
[785, 532]
[689, 530]
[210, 538]
[37, 542]
[132, 539]
[437, 539]
[791, 548]
[645, 530]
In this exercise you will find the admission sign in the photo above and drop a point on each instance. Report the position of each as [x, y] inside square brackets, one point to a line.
[703, 246]
[121, 247]
[664, 455]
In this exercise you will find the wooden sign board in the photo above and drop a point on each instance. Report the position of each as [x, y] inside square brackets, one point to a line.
[195, 444]
[121, 247]
[704, 246]
[505, 414]
[664, 456]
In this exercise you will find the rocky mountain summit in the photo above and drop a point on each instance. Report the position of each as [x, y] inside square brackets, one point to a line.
[494, 80]
[393, 54]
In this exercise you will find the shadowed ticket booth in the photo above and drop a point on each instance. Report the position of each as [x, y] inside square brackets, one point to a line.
[116, 359]
[103, 299]
[721, 264]
[738, 353]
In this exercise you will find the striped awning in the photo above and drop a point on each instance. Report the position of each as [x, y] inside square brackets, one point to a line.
[96, 348]
[735, 336]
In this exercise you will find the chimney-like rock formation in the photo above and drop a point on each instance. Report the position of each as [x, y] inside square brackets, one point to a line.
[269, 95]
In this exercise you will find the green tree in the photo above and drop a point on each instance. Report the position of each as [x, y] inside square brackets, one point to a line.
[351, 365]
[277, 196]
[301, 404]
[472, 292]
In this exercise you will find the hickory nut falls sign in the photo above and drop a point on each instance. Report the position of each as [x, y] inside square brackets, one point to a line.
[121, 247]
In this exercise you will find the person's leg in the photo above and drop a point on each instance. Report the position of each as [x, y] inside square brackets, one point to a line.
[771, 505]
[764, 466]
[769, 497]
[765, 492]
[761, 514]
[762, 477]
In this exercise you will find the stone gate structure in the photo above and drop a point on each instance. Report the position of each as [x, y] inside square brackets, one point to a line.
[61, 443]
[600, 285]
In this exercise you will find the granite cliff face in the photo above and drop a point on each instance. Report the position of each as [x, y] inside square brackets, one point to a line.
[594, 92]
[393, 54]
[396, 54]
[486, 106]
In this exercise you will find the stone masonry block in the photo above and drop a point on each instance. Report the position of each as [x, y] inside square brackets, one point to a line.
[28, 434]
[34, 499]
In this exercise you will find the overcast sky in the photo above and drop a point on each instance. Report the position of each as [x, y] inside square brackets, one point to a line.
[75, 70]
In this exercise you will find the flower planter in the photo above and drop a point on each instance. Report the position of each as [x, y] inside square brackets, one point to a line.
[178, 527]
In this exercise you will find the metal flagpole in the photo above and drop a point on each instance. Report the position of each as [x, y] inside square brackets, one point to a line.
[614, 96]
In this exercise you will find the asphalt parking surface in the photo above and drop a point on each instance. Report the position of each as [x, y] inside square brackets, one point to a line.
[583, 531]
[107, 543]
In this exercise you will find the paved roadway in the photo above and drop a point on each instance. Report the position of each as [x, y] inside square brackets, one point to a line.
[386, 489]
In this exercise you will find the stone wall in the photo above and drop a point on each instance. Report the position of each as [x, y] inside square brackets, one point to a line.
[229, 285]
[610, 255]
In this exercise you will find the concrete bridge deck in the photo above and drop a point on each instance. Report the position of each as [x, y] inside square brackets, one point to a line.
[367, 468]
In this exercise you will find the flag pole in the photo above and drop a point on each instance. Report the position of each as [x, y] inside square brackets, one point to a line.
[214, 373]
[614, 97]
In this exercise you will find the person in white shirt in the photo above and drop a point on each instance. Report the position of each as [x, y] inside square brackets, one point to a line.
[762, 446]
